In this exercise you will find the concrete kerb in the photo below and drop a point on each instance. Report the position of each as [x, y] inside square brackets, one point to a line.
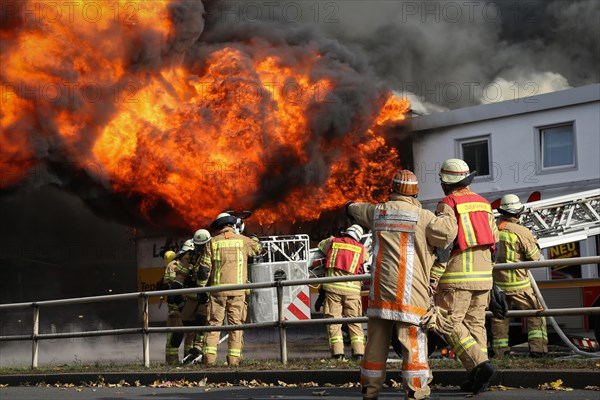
[576, 379]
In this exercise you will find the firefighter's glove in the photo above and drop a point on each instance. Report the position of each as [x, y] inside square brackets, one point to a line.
[178, 301]
[498, 304]
[202, 298]
[320, 300]
[443, 255]
[433, 286]
[437, 320]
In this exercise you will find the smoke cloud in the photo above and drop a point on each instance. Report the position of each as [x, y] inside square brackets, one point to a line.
[449, 53]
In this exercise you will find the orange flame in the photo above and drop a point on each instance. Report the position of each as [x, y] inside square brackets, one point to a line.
[200, 139]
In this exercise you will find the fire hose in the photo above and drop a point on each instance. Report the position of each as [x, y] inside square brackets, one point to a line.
[559, 331]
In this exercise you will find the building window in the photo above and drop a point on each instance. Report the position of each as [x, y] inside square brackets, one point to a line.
[476, 153]
[557, 146]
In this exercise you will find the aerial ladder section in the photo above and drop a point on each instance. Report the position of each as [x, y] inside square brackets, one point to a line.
[564, 219]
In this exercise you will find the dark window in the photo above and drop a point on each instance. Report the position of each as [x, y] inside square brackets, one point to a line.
[476, 154]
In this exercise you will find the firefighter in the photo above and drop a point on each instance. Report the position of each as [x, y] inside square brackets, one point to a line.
[403, 235]
[463, 283]
[194, 312]
[230, 252]
[345, 256]
[517, 243]
[176, 274]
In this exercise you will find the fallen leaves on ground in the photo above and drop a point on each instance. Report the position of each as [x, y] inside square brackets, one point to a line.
[179, 383]
[556, 385]
[395, 384]
[592, 388]
[502, 388]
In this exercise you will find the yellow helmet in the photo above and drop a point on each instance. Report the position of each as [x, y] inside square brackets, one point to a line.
[456, 171]
[511, 204]
[168, 257]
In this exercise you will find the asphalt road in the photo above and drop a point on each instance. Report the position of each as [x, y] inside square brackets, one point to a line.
[270, 393]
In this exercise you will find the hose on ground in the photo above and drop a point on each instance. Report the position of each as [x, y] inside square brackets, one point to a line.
[559, 331]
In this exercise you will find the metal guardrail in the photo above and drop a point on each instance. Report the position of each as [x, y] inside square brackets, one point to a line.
[282, 324]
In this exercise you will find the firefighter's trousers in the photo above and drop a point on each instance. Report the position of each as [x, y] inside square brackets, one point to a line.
[536, 326]
[466, 308]
[235, 308]
[336, 306]
[173, 338]
[194, 313]
[415, 369]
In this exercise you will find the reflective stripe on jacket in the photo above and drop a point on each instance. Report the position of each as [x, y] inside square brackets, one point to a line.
[471, 268]
[403, 238]
[517, 243]
[474, 216]
[230, 253]
[345, 256]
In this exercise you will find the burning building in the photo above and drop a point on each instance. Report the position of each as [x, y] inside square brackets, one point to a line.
[158, 115]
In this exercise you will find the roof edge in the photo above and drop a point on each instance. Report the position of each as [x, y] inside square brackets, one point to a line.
[524, 105]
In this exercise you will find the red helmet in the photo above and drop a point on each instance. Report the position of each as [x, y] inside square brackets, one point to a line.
[405, 182]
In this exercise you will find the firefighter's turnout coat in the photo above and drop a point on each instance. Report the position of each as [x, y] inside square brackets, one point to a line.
[517, 244]
[404, 235]
[230, 253]
[470, 264]
[345, 256]
[403, 239]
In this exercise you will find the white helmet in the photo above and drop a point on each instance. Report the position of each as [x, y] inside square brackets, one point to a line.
[201, 237]
[511, 204]
[188, 245]
[355, 232]
[223, 219]
[456, 171]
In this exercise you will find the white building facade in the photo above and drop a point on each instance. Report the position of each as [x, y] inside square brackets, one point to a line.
[537, 147]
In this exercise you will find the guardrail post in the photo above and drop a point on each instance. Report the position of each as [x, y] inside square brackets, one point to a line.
[34, 340]
[280, 276]
[145, 333]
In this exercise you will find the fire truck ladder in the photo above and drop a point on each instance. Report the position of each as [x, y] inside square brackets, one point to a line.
[564, 219]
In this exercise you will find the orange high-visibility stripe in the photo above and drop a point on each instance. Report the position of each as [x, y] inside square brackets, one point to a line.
[414, 345]
[417, 383]
[389, 305]
[402, 267]
[372, 365]
[415, 366]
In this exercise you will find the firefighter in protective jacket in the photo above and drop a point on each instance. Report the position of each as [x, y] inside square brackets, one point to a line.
[345, 256]
[194, 312]
[517, 243]
[177, 272]
[230, 252]
[404, 235]
[464, 282]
